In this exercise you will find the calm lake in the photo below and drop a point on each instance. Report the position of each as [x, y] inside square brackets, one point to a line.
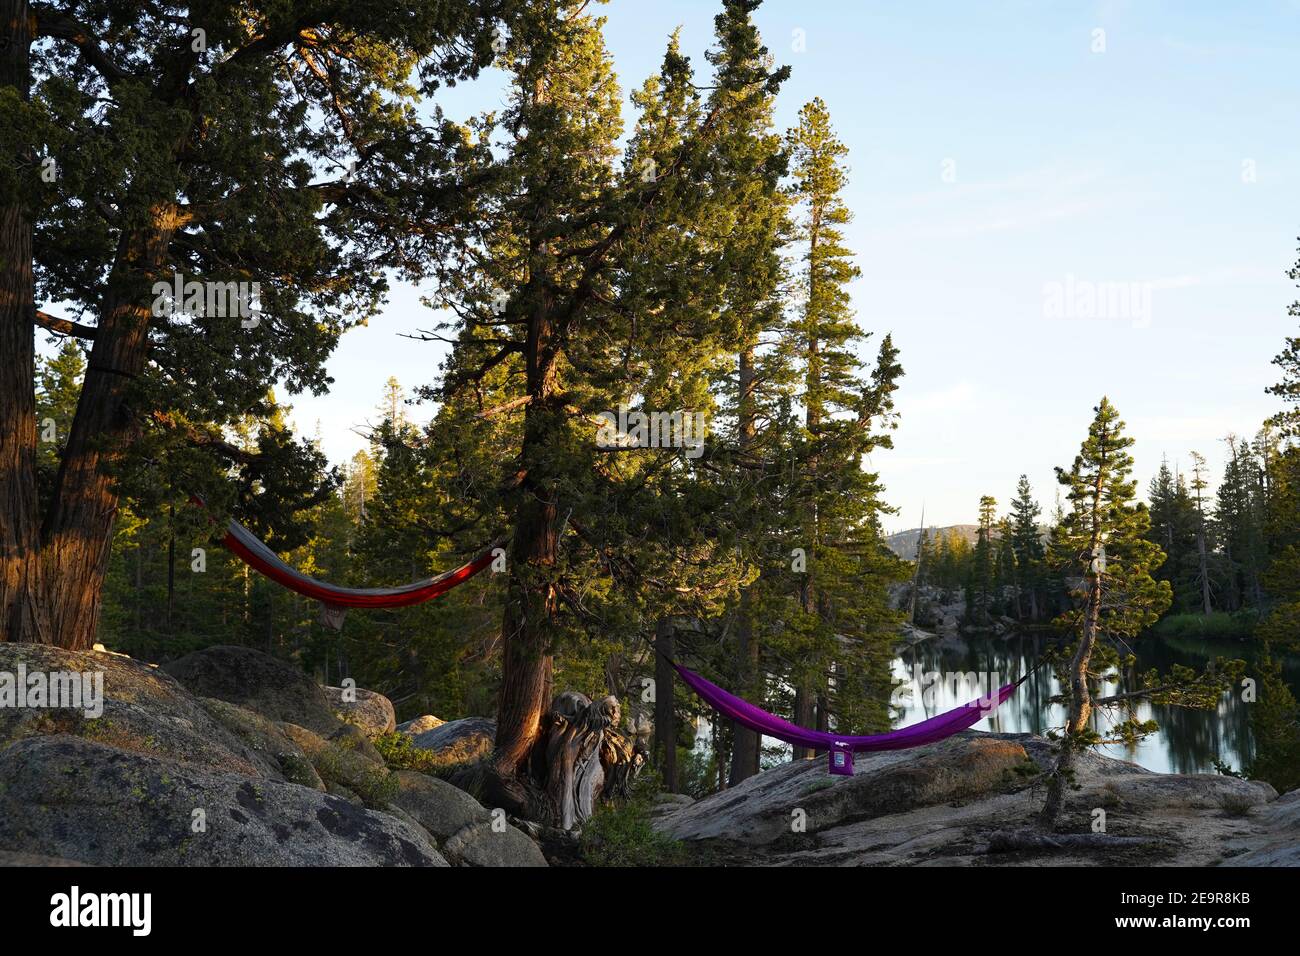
[1189, 741]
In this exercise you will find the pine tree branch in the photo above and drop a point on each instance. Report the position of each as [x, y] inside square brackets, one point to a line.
[506, 407]
[202, 439]
[58, 326]
[1131, 695]
[61, 26]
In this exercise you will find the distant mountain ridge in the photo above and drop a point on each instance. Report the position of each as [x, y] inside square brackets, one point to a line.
[903, 543]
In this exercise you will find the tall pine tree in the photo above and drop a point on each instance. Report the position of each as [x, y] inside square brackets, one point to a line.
[1102, 548]
[1027, 543]
[844, 620]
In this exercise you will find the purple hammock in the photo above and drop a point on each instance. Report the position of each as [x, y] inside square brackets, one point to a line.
[842, 748]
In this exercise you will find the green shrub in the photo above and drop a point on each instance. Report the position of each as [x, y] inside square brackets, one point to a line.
[400, 753]
[623, 836]
[298, 769]
[697, 772]
[372, 783]
[1275, 724]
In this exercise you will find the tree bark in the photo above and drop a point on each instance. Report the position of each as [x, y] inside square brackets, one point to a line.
[78, 531]
[746, 743]
[171, 567]
[1080, 702]
[21, 613]
[1202, 557]
[805, 699]
[52, 572]
[665, 738]
[532, 599]
[1080, 698]
[575, 774]
[526, 663]
[745, 748]
[807, 694]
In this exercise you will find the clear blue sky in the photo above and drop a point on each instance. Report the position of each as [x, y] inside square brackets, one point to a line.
[1123, 166]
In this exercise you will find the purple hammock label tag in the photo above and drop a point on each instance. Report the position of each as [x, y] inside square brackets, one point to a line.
[841, 759]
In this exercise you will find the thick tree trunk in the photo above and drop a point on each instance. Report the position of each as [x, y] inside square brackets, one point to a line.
[1236, 582]
[665, 739]
[171, 567]
[532, 600]
[21, 612]
[580, 758]
[52, 572]
[916, 572]
[78, 529]
[526, 663]
[575, 775]
[721, 747]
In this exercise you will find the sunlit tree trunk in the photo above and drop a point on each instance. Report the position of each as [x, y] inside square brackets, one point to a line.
[531, 601]
[52, 571]
[21, 617]
[77, 534]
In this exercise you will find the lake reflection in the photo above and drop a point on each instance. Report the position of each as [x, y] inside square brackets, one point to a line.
[1188, 741]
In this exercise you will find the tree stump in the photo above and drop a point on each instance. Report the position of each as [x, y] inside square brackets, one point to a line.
[579, 759]
[584, 758]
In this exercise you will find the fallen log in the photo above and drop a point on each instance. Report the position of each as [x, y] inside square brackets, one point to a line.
[1010, 841]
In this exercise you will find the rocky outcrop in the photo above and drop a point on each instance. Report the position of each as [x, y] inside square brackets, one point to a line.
[1275, 841]
[466, 831]
[948, 804]
[268, 739]
[370, 711]
[342, 763]
[459, 741]
[144, 711]
[168, 777]
[257, 682]
[940, 612]
[79, 800]
[766, 808]
[420, 724]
